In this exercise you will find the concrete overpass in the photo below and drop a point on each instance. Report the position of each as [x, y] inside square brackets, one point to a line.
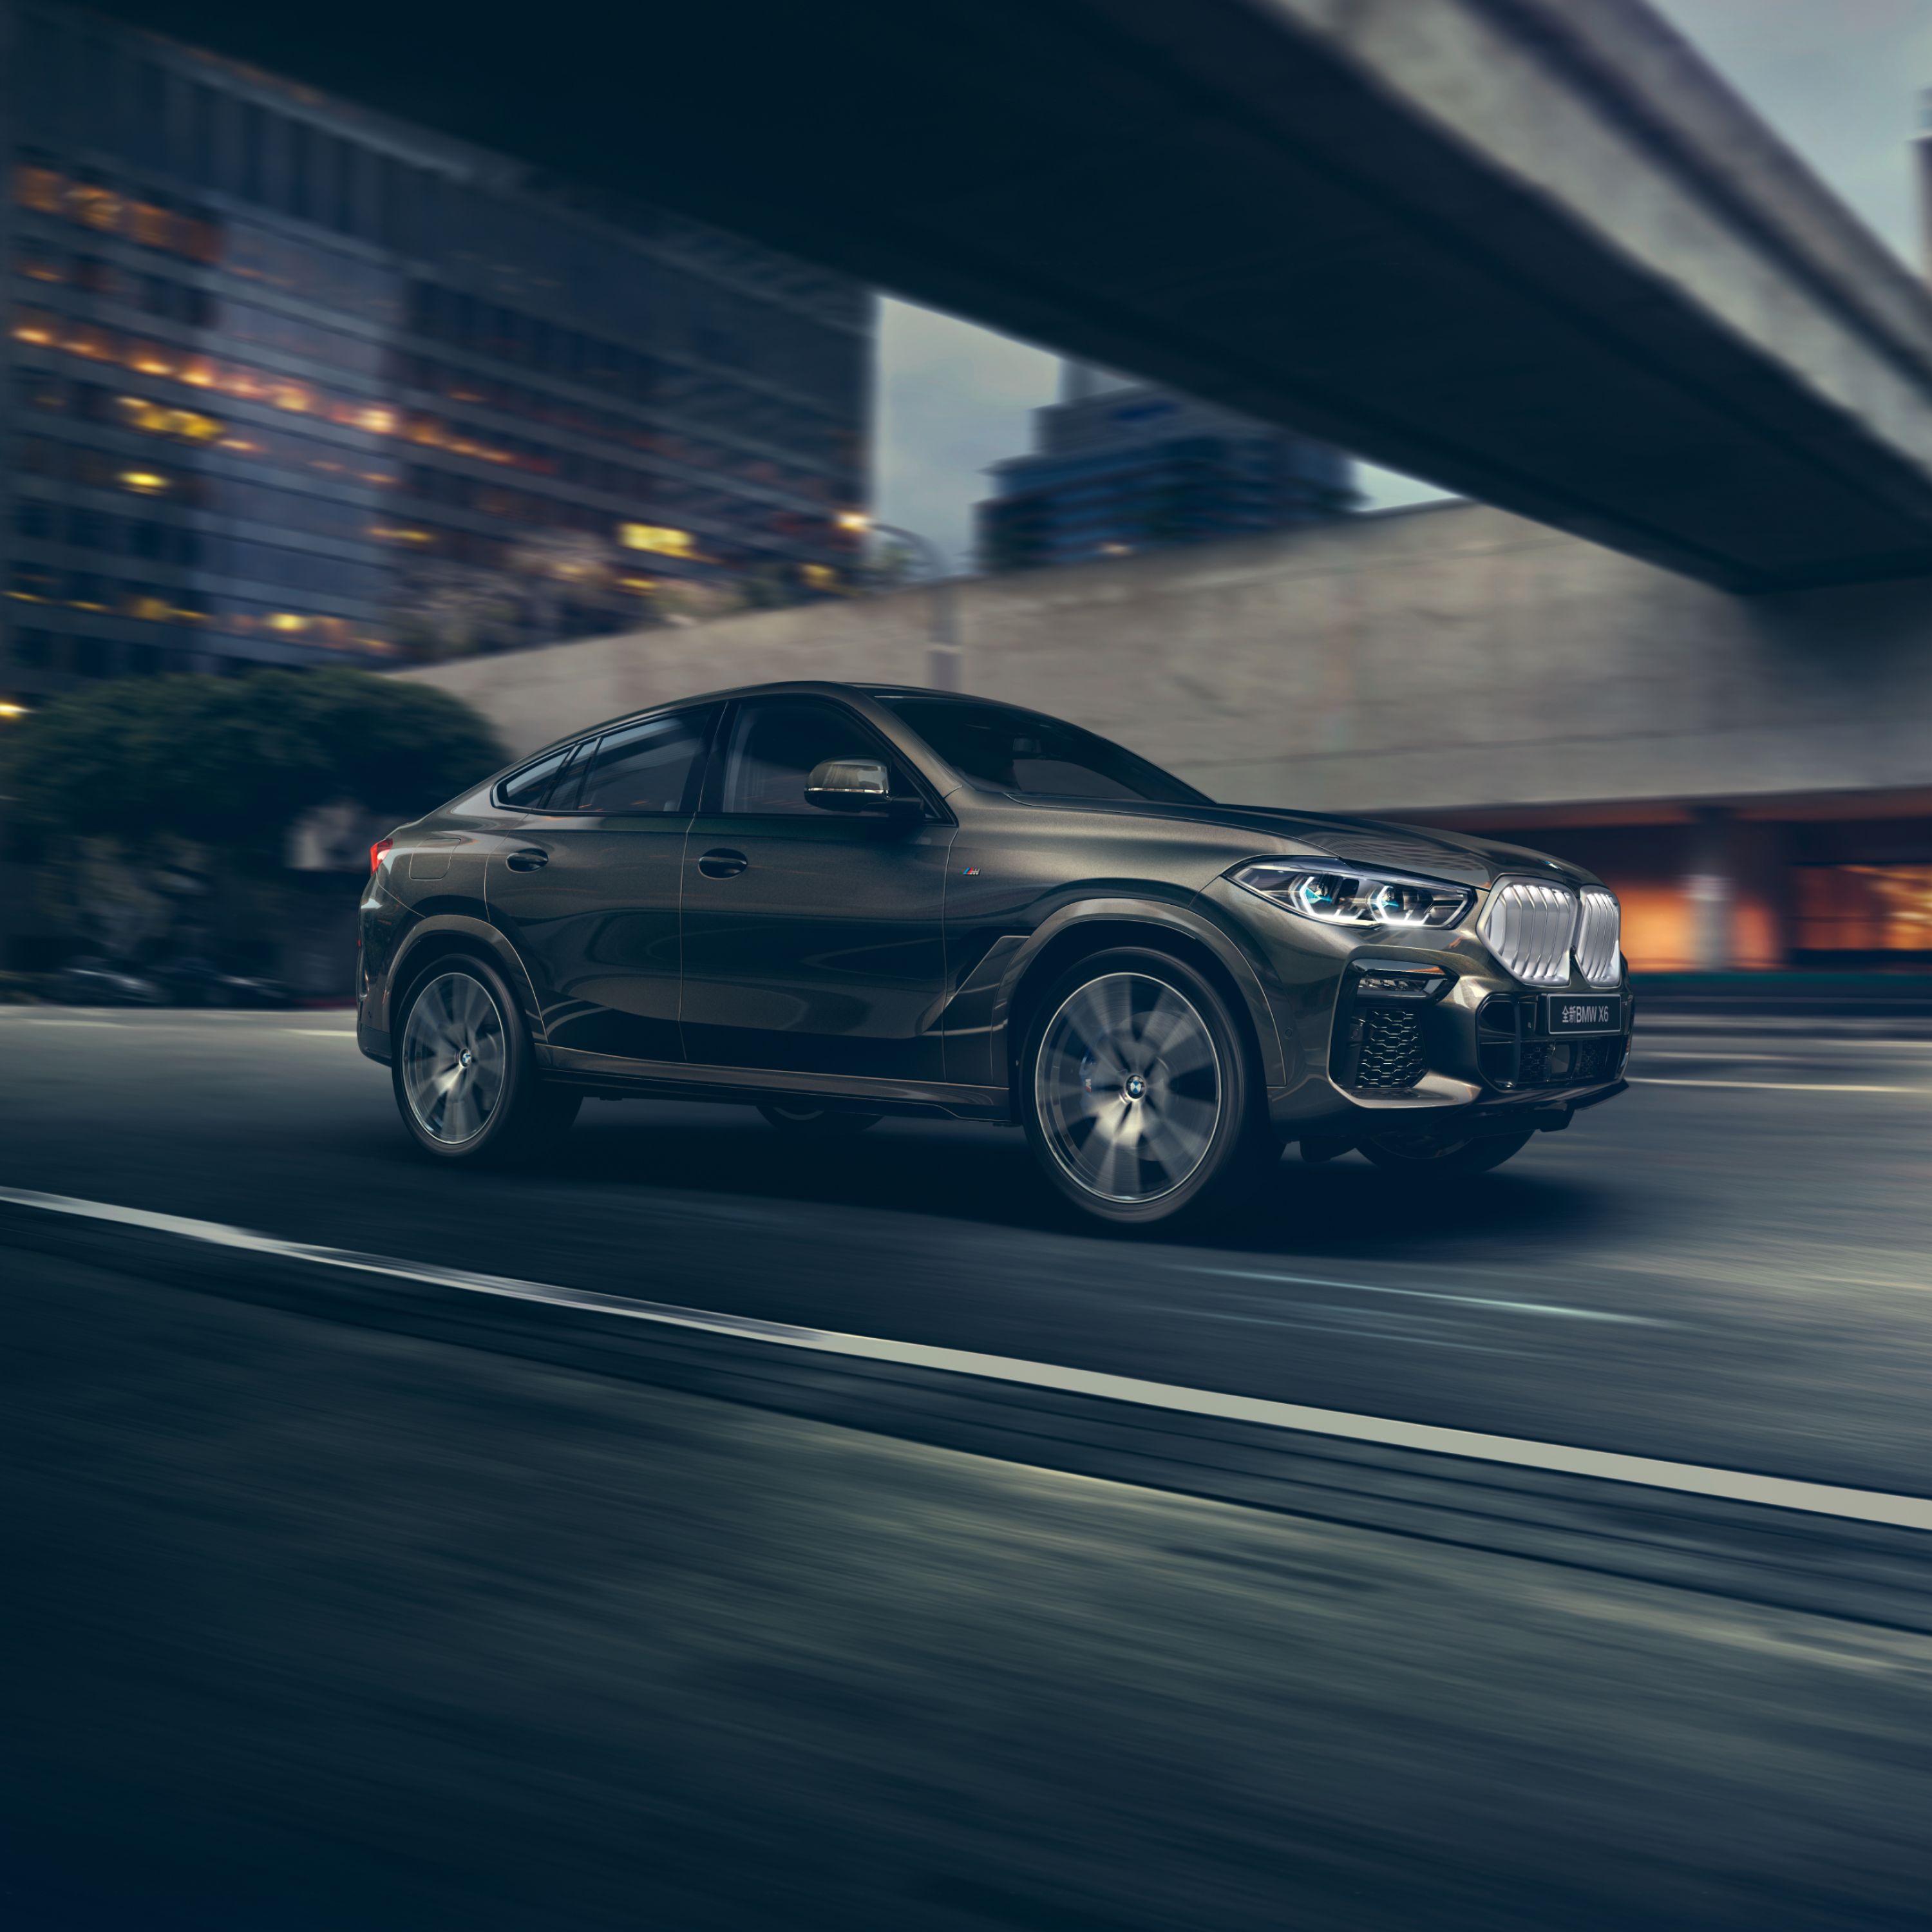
[1532, 250]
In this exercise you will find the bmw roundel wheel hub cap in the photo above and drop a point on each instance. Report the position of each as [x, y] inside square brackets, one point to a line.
[454, 1058]
[1128, 1088]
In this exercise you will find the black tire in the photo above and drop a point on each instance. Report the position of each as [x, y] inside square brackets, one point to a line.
[1192, 1139]
[492, 1106]
[1423, 1155]
[807, 1120]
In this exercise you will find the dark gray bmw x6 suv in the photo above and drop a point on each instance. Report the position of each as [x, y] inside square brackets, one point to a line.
[837, 901]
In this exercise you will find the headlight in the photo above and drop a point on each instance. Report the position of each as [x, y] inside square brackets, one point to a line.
[1355, 898]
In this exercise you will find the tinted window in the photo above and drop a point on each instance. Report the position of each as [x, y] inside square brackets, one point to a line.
[644, 767]
[525, 791]
[1022, 751]
[775, 745]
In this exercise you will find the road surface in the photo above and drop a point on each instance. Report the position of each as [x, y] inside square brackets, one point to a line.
[353, 1597]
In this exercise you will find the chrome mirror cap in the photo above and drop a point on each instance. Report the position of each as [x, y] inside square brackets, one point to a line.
[848, 785]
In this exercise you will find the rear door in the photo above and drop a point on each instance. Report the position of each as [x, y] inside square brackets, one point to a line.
[587, 888]
[814, 941]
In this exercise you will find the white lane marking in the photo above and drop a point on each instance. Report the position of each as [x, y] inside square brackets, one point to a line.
[1729, 1059]
[320, 1032]
[1434, 1294]
[115, 1024]
[1784, 1493]
[1770, 1086]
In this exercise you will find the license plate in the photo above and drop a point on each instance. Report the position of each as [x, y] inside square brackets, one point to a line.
[1566, 1013]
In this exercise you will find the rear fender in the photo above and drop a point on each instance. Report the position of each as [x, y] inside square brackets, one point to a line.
[437, 934]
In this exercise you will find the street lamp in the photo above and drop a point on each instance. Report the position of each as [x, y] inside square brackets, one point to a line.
[942, 654]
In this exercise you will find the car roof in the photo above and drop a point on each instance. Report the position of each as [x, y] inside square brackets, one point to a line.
[815, 687]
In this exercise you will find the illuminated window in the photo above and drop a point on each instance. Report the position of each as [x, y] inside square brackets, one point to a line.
[38, 263]
[40, 189]
[154, 418]
[94, 207]
[820, 576]
[654, 538]
[143, 482]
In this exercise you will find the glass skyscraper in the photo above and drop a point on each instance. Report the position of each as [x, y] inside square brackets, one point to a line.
[1121, 468]
[288, 382]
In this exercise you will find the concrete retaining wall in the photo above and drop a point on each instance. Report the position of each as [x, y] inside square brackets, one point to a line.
[1451, 659]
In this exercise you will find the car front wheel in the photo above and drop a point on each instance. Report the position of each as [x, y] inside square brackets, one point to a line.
[466, 1079]
[1139, 1092]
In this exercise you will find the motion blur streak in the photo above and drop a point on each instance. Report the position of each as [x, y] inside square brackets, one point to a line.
[1648, 1472]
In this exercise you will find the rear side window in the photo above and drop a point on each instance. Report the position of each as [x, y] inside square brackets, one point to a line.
[526, 790]
[647, 767]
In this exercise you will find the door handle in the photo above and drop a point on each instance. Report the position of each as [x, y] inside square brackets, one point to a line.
[721, 862]
[528, 860]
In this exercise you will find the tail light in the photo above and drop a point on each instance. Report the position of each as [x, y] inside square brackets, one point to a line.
[378, 853]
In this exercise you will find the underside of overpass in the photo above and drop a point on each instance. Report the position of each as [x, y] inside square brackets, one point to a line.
[1532, 250]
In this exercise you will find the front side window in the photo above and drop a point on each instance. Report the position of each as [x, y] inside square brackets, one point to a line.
[1022, 751]
[775, 745]
[644, 768]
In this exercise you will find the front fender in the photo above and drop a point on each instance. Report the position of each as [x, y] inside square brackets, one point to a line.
[986, 999]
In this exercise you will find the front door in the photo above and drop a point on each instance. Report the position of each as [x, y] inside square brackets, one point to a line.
[587, 890]
[814, 941]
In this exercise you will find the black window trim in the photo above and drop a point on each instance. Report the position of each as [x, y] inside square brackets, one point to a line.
[578, 755]
[567, 751]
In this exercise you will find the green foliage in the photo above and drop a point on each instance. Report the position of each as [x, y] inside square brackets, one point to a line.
[231, 763]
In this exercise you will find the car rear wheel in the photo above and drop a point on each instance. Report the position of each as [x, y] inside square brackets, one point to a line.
[1139, 1092]
[807, 1120]
[1434, 1153]
[466, 1081]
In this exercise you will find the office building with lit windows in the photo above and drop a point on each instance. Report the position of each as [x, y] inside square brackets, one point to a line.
[287, 382]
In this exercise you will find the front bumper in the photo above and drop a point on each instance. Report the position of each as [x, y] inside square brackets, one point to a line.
[1384, 1035]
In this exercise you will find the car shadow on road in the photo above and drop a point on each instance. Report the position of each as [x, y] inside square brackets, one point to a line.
[1343, 1208]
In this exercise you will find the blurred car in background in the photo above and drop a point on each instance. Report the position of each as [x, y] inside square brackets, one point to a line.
[92, 981]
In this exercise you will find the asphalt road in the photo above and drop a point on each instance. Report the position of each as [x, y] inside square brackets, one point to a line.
[334, 1606]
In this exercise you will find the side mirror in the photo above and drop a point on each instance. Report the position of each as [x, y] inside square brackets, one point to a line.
[849, 784]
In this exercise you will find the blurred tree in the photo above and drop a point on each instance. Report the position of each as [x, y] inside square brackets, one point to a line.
[230, 763]
[769, 586]
[889, 565]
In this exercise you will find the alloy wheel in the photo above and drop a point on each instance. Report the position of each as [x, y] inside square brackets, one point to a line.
[454, 1058]
[1129, 1087]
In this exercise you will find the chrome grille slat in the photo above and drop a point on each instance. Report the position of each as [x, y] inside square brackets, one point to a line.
[1599, 936]
[1530, 925]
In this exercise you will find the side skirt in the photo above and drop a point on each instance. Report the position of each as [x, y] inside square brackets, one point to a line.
[603, 1073]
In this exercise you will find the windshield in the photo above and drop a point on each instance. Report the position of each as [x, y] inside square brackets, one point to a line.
[1022, 751]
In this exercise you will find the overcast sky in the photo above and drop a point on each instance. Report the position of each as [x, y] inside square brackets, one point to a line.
[1839, 79]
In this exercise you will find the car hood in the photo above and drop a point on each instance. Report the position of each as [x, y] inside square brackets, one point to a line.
[1453, 856]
